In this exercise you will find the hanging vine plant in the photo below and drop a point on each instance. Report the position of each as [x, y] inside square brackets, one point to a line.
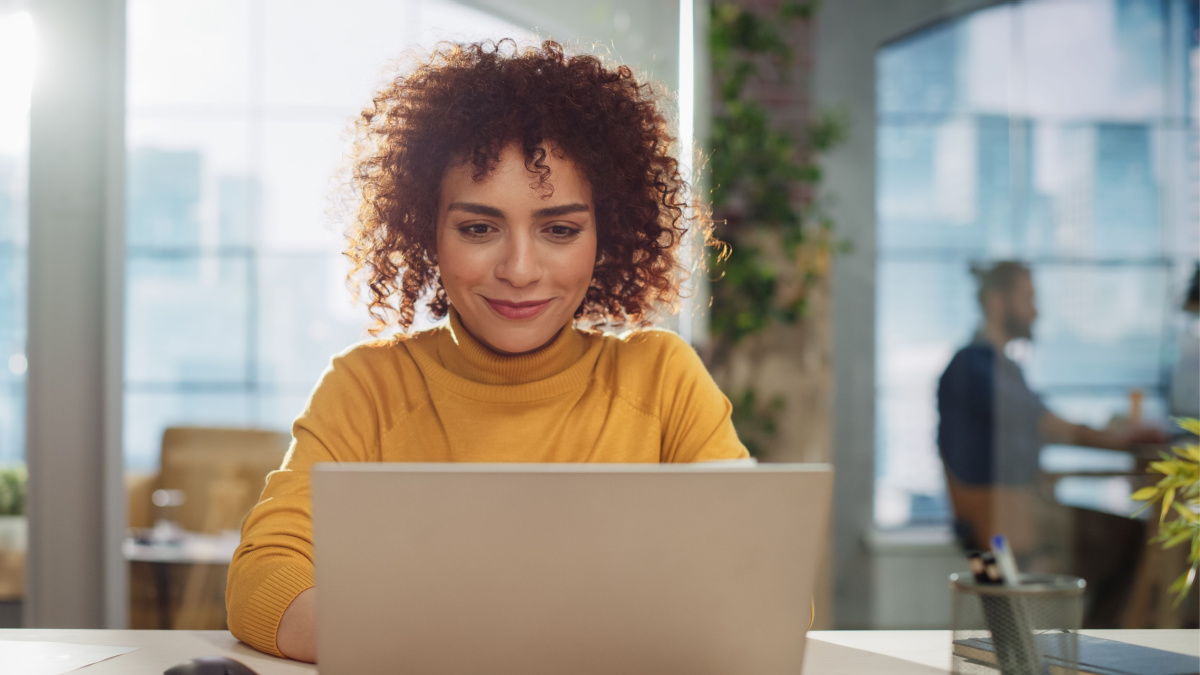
[764, 195]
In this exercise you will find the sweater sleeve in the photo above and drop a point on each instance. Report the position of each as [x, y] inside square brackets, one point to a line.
[696, 418]
[274, 562]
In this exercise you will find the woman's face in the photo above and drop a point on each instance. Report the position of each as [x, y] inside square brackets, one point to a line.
[515, 258]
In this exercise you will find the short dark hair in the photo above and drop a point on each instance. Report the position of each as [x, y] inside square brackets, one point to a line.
[998, 276]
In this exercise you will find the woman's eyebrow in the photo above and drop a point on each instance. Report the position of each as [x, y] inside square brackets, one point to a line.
[564, 209]
[477, 209]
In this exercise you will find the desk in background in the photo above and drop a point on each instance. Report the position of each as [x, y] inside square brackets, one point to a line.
[828, 652]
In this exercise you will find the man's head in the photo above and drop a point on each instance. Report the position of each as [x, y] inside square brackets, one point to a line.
[1006, 298]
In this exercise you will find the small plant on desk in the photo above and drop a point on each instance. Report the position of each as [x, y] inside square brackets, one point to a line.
[12, 490]
[1179, 490]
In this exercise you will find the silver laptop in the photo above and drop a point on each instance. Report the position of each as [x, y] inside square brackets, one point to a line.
[566, 568]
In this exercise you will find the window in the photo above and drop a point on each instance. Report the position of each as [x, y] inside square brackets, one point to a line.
[16, 78]
[1058, 132]
[237, 124]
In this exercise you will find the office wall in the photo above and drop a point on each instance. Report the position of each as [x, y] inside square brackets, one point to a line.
[849, 32]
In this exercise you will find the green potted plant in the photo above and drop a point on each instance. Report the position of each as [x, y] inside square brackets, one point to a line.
[13, 528]
[1179, 514]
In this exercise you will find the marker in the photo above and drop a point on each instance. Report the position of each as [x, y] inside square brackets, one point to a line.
[991, 569]
[1005, 560]
[977, 567]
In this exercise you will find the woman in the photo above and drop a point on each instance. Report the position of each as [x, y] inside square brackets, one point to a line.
[525, 192]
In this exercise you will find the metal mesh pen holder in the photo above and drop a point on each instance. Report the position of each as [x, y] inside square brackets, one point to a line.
[1029, 629]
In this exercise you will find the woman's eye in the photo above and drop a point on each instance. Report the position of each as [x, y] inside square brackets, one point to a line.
[475, 229]
[562, 231]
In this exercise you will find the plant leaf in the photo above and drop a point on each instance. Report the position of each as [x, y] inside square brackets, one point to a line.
[1145, 494]
[1168, 497]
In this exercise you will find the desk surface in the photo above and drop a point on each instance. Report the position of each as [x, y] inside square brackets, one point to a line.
[828, 652]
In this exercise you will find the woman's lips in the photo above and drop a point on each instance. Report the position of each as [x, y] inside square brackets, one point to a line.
[518, 310]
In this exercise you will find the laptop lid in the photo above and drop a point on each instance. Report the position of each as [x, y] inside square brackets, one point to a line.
[566, 568]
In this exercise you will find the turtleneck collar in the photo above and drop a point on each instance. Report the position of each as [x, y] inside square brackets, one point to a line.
[465, 356]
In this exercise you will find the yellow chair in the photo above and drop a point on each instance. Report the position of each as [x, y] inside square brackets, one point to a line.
[221, 473]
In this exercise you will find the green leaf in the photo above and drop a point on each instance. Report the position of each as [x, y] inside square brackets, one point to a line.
[1177, 539]
[1190, 424]
[1144, 494]
[1186, 513]
[1166, 505]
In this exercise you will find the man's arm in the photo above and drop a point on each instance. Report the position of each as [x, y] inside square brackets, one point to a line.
[1055, 429]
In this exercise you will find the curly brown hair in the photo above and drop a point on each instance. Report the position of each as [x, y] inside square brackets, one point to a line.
[467, 102]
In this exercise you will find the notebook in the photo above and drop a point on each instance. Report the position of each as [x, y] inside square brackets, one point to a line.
[1097, 656]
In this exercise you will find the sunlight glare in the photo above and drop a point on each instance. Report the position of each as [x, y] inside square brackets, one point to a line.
[16, 81]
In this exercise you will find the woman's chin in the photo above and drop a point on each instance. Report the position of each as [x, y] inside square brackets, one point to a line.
[518, 342]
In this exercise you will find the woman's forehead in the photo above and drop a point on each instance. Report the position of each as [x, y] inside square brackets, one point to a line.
[554, 178]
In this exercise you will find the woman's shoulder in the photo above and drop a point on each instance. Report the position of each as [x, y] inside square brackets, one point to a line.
[648, 344]
[378, 365]
[640, 364]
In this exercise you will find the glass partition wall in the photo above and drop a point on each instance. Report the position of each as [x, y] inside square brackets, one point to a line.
[16, 80]
[1063, 134]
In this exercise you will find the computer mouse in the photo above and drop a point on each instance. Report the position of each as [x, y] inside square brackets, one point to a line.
[210, 665]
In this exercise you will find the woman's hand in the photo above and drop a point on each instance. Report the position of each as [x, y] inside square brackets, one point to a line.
[297, 634]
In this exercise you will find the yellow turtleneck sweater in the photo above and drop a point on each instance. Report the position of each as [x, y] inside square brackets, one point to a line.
[441, 396]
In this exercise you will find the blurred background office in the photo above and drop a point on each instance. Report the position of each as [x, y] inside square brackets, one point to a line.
[171, 283]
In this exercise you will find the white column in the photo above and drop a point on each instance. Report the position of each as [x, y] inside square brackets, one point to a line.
[76, 578]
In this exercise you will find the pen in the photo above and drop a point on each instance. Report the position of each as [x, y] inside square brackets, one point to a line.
[978, 568]
[1006, 561]
[991, 569]
[1016, 650]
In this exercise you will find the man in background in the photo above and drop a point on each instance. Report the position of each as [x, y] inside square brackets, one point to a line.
[992, 428]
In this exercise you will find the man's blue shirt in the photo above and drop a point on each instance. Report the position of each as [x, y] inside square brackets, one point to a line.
[988, 419]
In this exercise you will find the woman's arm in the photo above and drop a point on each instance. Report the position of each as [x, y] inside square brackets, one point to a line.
[272, 573]
[297, 635]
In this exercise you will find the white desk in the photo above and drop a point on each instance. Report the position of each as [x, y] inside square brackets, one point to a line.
[828, 653]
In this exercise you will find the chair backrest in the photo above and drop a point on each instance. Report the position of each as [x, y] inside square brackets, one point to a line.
[221, 471]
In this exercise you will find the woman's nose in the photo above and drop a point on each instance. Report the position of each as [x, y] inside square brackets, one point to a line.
[520, 265]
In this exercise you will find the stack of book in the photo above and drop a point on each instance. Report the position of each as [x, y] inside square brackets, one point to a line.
[1097, 656]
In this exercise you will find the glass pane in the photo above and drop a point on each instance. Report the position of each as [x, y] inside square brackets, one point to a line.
[148, 414]
[1180, 179]
[908, 470]
[301, 161]
[355, 56]
[341, 71]
[188, 184]
[188, 54]
[926, 312]
[961, 65]
[919, 73]
[1099, 325]
[13, 275]
[456, 22]
[12, 423]
[1117, 43]
[14, 210]
[187, 319]
[948, 186]
[1050, 131]
[1099, 408]
[279, 410]
[305, 317]
[1095, 191]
